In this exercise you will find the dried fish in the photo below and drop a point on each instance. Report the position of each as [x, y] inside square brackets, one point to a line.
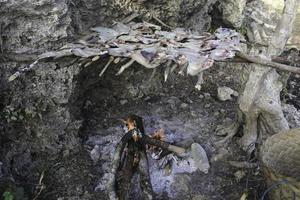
[225, 33]
[193, 44]
[146, 40]
[120, 52]
[166, 34]
[148, 45]
[221, 54]
[139, 58]
[149, 53]
[121, 28]
[105, 34]
[128, 38]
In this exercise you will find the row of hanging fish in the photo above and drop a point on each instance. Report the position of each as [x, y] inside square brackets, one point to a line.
[150, 46]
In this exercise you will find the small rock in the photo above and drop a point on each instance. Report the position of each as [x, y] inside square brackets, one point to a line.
[201, 96]
[199, 156]
[95, 153]
[220, 130]
[222, 153]
[232, 12]
[207, 95]
[184, 105]
[216, 113]
[226, 93]
[189, 100]
[227, 120]
[239, 175]
[66, 153]
[123, 101]
[194, 113]
[173, 102]
[292, 115]
[207, 105]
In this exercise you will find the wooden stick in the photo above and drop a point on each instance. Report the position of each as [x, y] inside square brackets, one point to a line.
[111, 185]
[106, 66]
[164, 145]
[162, 23]
[243, 164]
[127, 65]
[267, 63]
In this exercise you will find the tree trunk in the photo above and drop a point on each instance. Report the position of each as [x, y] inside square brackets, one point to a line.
[260, 100]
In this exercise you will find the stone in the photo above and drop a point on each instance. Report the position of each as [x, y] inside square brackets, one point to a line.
[66, 153]
[46, 22]
[123, 101]
[217, 113]
[232, 12]
[207, 105]
[199, 156]
[207, 95]
[221, 155]
[184, 105]
[239, 175]
[193, 113]
[95, 153]
[226, 93]
[292, 115]
[173, 102]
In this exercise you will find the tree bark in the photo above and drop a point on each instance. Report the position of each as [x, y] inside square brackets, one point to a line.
[260, 99]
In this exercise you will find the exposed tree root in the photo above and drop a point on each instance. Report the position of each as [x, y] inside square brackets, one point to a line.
[243, 164]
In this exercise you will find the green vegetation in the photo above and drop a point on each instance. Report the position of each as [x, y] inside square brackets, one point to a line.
[8, 195]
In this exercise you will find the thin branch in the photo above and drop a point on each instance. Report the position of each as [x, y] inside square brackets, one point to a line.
[106, 66]
[284, 28]
[243, 164]
[127, 65]
[268, 63]
[130, 18]
[162, 23]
